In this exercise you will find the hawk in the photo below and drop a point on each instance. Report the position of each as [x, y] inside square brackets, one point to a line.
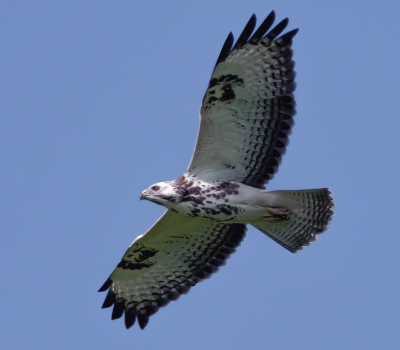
[246, 117]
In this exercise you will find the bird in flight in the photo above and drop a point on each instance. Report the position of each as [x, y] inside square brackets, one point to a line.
[246, 117]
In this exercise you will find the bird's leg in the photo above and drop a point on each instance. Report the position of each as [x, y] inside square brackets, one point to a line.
[277, 214]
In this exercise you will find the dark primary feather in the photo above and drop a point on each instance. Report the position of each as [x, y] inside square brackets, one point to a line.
[263, 28]
[246, 33]
[119, 306]
[105, 286]
[225, 49]
[130, 317]
[257, 36]
[110, 299]
[278, 29]
[286, 38]
[143, 321]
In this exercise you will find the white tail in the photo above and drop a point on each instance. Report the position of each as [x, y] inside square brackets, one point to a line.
[296, 217]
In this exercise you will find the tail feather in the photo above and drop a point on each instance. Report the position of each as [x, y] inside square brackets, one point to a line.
[310, 213]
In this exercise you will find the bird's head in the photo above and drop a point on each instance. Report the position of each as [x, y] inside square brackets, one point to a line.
[162, 193]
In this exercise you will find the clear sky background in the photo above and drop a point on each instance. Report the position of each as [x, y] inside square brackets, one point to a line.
[100, 99]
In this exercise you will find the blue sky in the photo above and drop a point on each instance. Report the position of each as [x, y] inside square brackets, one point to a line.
[100, 99]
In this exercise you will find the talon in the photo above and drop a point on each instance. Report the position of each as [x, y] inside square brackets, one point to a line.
[277, 214]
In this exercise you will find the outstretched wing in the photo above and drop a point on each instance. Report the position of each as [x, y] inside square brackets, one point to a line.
[159, 266]
[247, 111]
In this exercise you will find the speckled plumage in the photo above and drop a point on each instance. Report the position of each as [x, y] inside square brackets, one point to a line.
[246, 118]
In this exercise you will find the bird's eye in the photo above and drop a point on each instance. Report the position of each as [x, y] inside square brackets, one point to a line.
[155, 188]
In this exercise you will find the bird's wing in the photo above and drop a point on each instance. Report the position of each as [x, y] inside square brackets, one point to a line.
[247, 111]
[171, 257]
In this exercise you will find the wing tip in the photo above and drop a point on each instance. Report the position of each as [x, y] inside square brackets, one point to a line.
[143, 320]
[278, 29]
[118, 310]
[130, 317]
[105, 286]
[244, 36]
[263, 28]
[226, 49]
[109, 301]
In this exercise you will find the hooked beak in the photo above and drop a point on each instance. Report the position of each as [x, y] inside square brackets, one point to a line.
[142, 196]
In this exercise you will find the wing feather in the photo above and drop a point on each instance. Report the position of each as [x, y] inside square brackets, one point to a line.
[248, 29]
[225, 49]
[159, 266]
[263, 28]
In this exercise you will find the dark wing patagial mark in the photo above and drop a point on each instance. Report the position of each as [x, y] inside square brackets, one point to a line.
[223, 89]
[141, 257]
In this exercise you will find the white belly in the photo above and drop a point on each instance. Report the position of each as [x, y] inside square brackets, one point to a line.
[224, 202]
